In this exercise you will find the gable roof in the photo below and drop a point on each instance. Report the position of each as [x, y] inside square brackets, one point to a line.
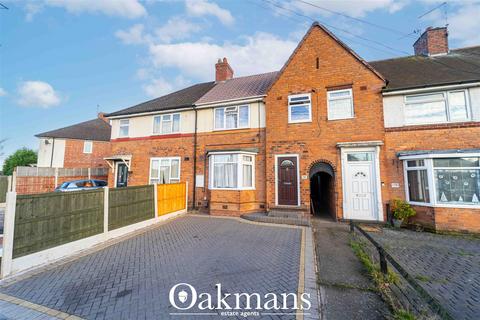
[456, 67]
[179, 99]
[239, 88]
[96, 130]
[316, 24]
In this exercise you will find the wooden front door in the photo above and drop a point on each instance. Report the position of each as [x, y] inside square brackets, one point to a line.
[287, 183]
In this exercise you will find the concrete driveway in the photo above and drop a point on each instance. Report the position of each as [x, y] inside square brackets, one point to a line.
[131, 279]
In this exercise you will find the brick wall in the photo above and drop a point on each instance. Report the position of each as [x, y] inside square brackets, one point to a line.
[434, 137]
[236, 202]
[316, 140]
[75, 158]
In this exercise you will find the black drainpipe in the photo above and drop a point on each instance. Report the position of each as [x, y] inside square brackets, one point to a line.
[195, 162]
[53, 151]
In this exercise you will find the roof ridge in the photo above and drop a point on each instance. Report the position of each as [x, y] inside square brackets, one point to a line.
[249, 76]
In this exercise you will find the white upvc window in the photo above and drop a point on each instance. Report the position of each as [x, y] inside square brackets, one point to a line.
[165, 170]
[232, 171]
[437, 107]
[123, 128]
[231, 117]
[299, 108]
[443, 181]
[87, 146]
[166, 123]
[340, 104]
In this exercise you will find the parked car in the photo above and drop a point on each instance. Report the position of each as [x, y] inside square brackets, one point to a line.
[78, 185]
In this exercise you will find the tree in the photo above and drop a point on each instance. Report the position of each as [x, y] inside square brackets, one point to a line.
[21, 157]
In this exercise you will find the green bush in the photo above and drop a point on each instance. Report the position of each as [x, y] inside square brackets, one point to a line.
[21, 157]
[402, 210]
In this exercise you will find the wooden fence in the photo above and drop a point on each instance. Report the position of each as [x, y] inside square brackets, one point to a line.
[171, 197]
[44, 221]
[46, 227]
[3, 188]
[130, 205]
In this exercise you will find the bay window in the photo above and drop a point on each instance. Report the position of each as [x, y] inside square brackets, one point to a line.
[232, 171]
[443, 181]
[299, 108]
[165, 170]
[232, 117]
[438, 107]
[166, 123]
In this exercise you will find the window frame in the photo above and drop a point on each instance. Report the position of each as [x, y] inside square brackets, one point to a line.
[289, 106]
[120, 125]
[161, 116]
[159, 159]
[446, 95]
[352, 108]
[85, 143]
[224, 127]
[240, 162]
[432, 188]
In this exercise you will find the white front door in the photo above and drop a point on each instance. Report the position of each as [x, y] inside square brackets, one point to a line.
[360, 186]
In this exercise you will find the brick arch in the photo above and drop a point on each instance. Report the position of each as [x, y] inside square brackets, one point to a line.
[331, 164]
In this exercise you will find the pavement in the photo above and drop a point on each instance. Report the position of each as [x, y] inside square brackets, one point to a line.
[131, 279]
[447, 266]
[346, 291]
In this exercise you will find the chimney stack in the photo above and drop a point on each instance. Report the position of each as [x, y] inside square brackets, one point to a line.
[434, 41]
[101, 115]
[223, 71]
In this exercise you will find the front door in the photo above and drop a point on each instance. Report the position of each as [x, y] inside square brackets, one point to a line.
[122, 175]
[287, 181]
[360, 186]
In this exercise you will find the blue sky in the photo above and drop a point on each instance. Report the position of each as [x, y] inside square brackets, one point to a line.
[62, 60]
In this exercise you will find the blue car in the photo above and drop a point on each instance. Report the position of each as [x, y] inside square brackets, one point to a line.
[79, 185]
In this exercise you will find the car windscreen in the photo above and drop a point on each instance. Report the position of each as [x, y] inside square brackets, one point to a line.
[100, 183]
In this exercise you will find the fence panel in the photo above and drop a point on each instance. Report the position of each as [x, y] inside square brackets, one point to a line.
[171, 197]
[3, 188]
[130, 205]
[48, 220]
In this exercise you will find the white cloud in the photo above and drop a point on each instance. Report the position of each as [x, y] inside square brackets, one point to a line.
[134, 35]
[262, 52]
[121, 8]
[199, 8]
[2, 92]
[37, 94]
[353, 8]
[161, 86]
[176, 28]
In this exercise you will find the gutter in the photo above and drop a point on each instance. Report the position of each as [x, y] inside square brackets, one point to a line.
[426, 88]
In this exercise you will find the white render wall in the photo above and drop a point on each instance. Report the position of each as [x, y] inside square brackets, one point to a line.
[393, 107]
[142, 126]
[45, 153]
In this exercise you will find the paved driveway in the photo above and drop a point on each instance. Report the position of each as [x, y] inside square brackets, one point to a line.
[131, 279]
[448, 267]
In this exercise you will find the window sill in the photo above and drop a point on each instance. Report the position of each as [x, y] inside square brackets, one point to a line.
[445, 205]
[338, 119]
[299, 121]
[232, 189]
[231, 129]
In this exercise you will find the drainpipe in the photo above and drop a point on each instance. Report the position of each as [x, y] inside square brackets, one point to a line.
[195, 161]
[53, 151]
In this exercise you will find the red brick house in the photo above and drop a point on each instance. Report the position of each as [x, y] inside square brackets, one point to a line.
[327, 134]
[82, 145]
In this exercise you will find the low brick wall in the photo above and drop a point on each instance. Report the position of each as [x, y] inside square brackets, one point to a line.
[447, 219]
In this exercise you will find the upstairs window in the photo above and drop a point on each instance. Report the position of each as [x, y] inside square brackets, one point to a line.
[165, 170]
[232, 117]
[87, 147]
[436, 107]
[124, 128]
[299, 108]
[166, 123]
[340, 104]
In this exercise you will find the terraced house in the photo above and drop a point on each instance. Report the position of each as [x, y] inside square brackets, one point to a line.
[328, 134]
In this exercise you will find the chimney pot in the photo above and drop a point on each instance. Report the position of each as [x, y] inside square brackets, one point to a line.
[433, 41]
[223, 71]
[101, 115]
